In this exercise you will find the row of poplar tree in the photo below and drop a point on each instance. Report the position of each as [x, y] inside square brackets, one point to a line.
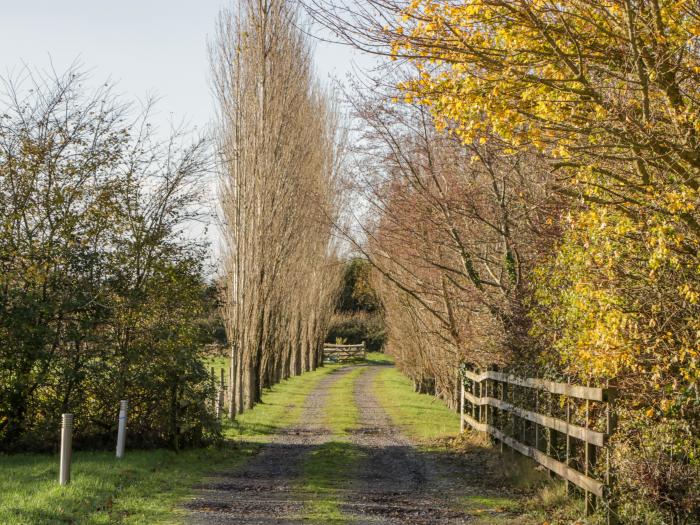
[105, 292]
[279, 195]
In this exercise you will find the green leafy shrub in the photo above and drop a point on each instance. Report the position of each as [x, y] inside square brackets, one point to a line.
[102, 297]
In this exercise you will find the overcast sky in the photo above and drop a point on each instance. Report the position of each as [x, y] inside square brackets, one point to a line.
[148, 47]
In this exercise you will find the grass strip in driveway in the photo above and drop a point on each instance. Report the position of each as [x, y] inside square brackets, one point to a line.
[328, 467]
[325, 472]
[341, 412]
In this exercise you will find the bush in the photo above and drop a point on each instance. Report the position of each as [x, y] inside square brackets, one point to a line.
[102, 297]
[657, 465]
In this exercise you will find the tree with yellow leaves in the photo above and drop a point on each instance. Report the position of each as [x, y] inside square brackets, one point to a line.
[607, 91]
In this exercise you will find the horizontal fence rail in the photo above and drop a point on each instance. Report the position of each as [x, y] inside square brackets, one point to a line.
[343, 353]
[562, 426]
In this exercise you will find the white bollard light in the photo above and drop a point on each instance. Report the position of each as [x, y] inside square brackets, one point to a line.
[66, 449]
[121, 433]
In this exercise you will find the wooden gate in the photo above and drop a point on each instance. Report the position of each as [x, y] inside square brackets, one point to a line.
[343, 353]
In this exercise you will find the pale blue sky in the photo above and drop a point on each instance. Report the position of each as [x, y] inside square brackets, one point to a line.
[148, 47]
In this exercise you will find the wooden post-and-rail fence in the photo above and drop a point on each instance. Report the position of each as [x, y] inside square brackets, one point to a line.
[343, 353]
[562, 426]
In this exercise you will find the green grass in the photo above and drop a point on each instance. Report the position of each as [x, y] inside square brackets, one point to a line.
[217, 362]
[342, 414]
[281, 406]
[142, 488]
[146, 486]
[324, 472]
[330, 465]
[491, 509]
[420, 416]
[378, 358]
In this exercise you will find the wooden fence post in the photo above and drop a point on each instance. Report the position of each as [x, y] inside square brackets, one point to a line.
[216, 395]
[461, 402]
[589, 458]
[537, 429]
[481, 407]
[501, 426]
[567, 459]
[550, 433]
[474, 404]
[487, 408]
[610, 422]
[220, 398]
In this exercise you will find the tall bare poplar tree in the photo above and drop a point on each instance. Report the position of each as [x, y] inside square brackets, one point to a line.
[278, 143]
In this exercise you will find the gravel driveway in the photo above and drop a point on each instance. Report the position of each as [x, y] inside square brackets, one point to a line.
[394, 482]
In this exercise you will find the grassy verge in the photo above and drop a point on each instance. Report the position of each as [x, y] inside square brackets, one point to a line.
[142, 488]
[147, 485]
[420, 416]
[281, 406]
[330, 465]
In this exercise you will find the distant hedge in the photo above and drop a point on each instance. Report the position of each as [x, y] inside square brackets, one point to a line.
[358, 327]
[359, 312]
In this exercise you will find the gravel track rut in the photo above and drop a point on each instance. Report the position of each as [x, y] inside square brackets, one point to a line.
[396, 481]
